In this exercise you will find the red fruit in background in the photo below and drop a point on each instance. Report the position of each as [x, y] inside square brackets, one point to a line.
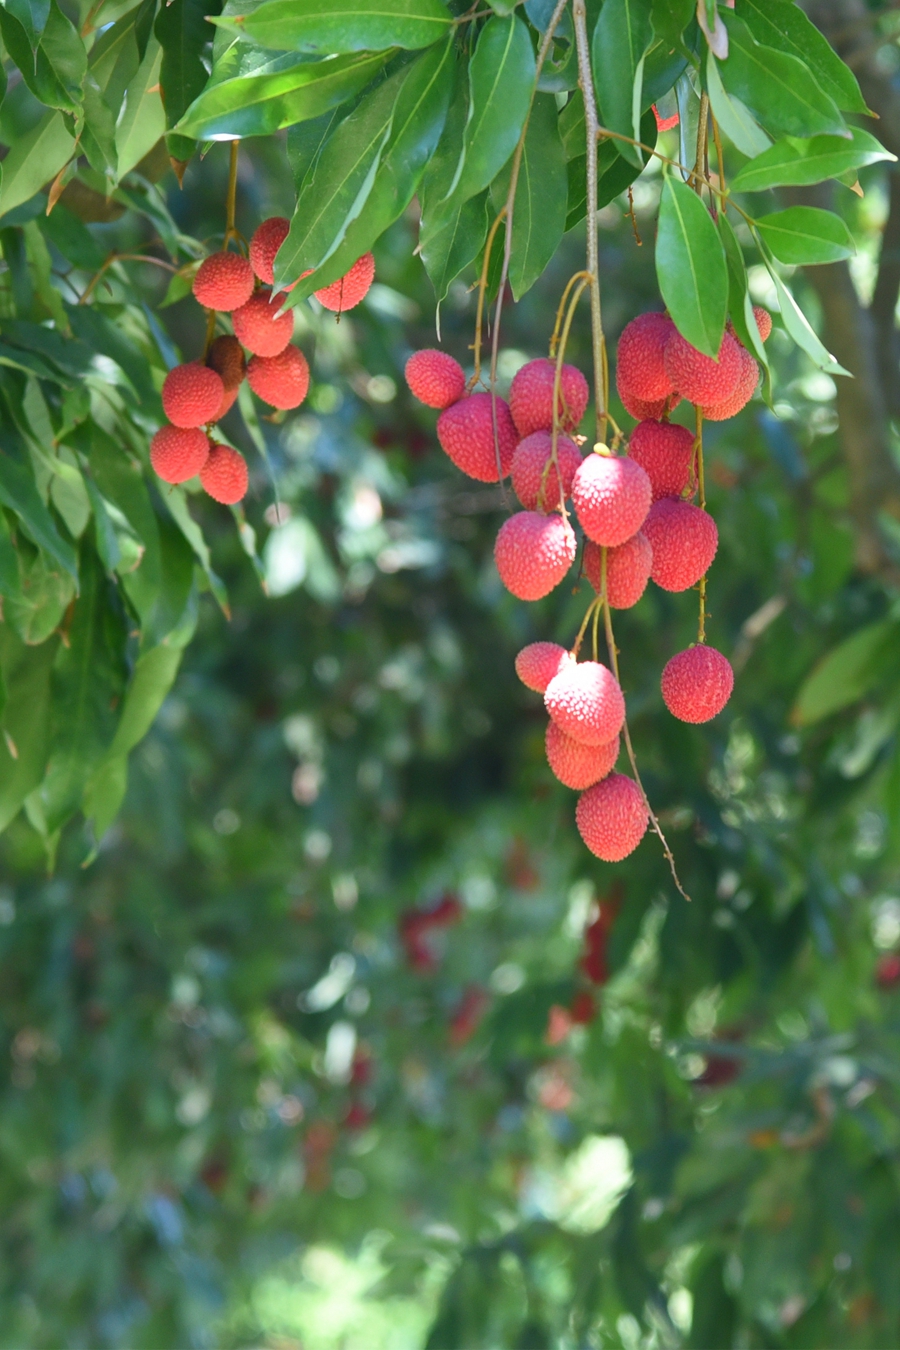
[612, 817]
[348, 290]
[640, 363]
[665, 451]
[281, 381]
[887, 971]
[596, 935]
[533, 553]
[744, 390]
[719, 1071]
[575, 764]
[559, 1024]
[191, 395]
[178, 453]
[698, 377]
[697, 683]
[358, 1116]
[537, 664]
[224, 281]
[534, 490]
[465, 1021]
[260, 327]
[466, 434]
[665, 123]
[583, 1009]
[627, 569]
[434, 378]
[684, 540]
[226, 358]
[586, 702]
[224, 475]
[267, 240]
[763, 321]
[611, 495]
[531, 397]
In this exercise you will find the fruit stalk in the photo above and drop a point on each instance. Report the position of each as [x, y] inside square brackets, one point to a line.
[592, 124]
[231, 200]
[701, 490]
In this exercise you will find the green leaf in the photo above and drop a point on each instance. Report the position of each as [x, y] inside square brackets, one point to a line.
[794, 162]
[456, 243]
[690, 266]
[176, 503]
[343, 25]
[142, 120]
[742, 130]
[26, 723]
[55, 71]
[34, 160]
[32, 15]
[305, 143]
[621, 37]
[100, 334]
[615, 173]
[806, 234]
[98, 135]
[740, 307]
[797, 324]
[501, 73]
[776, 87]
[72, 238]
[46, 591]
[848, 672]
[184, 35]
[783, 25]
[19, 494]
[572, 127]
[539, 213]
[670, 18]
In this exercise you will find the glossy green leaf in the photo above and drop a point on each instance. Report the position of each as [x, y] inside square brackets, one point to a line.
[734, 119]
[793, 162]
[456, 243]
[690, 267]
[177, 506]
[806, 234]
[32, 15]
[19, 494]
[26, 724]
[98, 134]
[305, 143]
[670, 18]
[797, 324]
[55, 70]
[848, 672]
[72, 238]
[116, 55]
[142, 119]
[100, 334]
[501, 73]
[783, 25]
[740, 307]
[184, 34]
[45, 593]
[539, 212]
[621, 37]
[776, 87]
[34, 160]
[572, 126]
[663, 67]
[343, 25]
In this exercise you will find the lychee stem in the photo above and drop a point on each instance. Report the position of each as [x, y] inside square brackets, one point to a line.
[720, 158]
[701, 488]
[482, 288]
[561, 309]
[231, 199]
[598, 341]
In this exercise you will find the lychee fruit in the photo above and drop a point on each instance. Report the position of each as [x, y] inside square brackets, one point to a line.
[349, 289]
[267, 240]
[260, 327]
[697, 683]
[665, 123]
[640, 408]
[763, 321]
[665, 451]
[533, 553]
[586, 702]
[640, 364]
[531, 397]
[698, 377]
[575, 764]
[434, 378]
[229, 398]
[178, 453]
[281, 380]
[539, 662]
[611, 494]
[536, 489]
[466, 433]
[612, 817]
[191, 395]
[226, 358]
[627, 569]
[684, 540]
[743, 392]
[224, 281]
[224, 475]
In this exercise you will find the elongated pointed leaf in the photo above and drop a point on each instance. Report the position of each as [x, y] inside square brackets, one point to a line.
[55, 71]
[26, 722]
[739, 306]
[539, 213]
[794, 162]
[848, 672]
[797, 324]
[739, 126]
[33, 16]
[184, 34]
[806, 234]
[19, 494]
[783, 25]
[777, 87]
[344, 25]
[34, 160]
[621, 37]
[501, 73]
[142, 119]
[690, 266]
[457, 242]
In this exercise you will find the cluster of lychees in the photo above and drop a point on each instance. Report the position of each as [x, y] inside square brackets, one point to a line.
[638, 521]
[197, 395]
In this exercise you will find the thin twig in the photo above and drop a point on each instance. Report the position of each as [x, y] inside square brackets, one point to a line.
[598, 342]
[121, 257]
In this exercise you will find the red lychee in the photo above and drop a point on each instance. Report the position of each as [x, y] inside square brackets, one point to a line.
[226, 358]
[640, 408]
[466, 433]
[281, 380]
[434, 378]
[533, 553]
[267, 240]
[699, 378]
[627, 569]
[665, 451]
[178, 453]
[575, 764]
[260, 327]
[536, 490]
[585, 701]
[697, 683]
[191, 395]
[887, 971]
[684, 540]
[224, 475]
[539, 662]
[763, 321]
[612, 817]
[611, 494]
[640, 367]
[349, 289]
[531, 397]
[744, 391]
[224, 281]
[229, 398]
[665, 123]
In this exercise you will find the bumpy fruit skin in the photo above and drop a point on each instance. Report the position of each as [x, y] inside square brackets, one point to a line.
[260, 327]
[627, 569]
[434, 378]
[763, 321]
[224, 475]
[640, 366]
[267, 240]
[539, 662]
[534, 491]
[349, 289]
[743, 392]
[223, 282]
[226, 358]
[191, 395]
[697, 683]
[611, 494]
[640, 408]
[466, 433]
[575, 764]
[229, 398]
[665, 451]
[282, 380]
[585, 702]
[531, 397]
[533, 553]
[612, 817]
[178, 453]
[684, 540]
[698, 377]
